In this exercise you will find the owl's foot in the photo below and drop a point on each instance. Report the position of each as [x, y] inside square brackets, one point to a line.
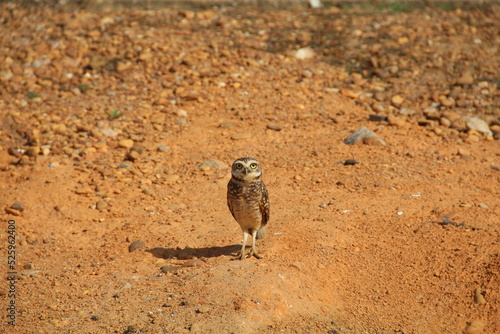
[240, 256]
[254, 254]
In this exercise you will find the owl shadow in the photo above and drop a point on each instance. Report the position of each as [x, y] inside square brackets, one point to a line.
[190, 253]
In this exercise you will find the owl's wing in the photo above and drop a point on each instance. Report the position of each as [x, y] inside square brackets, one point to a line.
[264, 206]
[229, 200]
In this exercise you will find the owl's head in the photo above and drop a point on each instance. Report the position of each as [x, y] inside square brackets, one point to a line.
[246, 169]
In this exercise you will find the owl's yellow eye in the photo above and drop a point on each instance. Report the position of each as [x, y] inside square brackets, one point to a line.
[238, 166]
[253, 166]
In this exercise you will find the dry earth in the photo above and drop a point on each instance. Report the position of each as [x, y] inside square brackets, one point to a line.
[119, 126]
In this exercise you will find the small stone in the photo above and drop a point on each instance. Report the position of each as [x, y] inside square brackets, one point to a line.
[193, 263]
[13, 212]
[84, 190]
[33, 151]
[163, 148]
[465, 79]
[212, 164]
[18, 206]
[107, 132]
[377, 118]
[241, 135]
[132, 155]
[478, 297]
[136, 245]
[350, 162]
[463, 151]
[366, 136]
[475, 327]
[203, 309]
[29, 266]
[395, 121]
[94, 317]
[273, 126]
[397, 100]
[172, 178]
[195, 327]
[477, 124]
[304, 53]
[102, 204]
[483, 205]
[124, 165]
[126, 143]
[14, 152]
[169, 269]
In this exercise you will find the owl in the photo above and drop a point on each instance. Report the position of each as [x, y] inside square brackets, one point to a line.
[248, 201]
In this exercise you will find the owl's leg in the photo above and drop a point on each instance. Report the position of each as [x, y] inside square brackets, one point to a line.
[253, 252]
[241, 255]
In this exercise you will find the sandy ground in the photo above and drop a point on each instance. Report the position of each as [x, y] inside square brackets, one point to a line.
[406, 240]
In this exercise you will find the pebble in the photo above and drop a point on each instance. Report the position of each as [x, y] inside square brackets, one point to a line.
[475, 327]
[163, 148]
[169, 269]
[396, 121]
[18, 206]
[466, 78]
[33, 151]
[273, 126]
[172, 178]
[195, 327]
[132, 155]
[241, 135]
[478, 297]
[193, 263]
[397, 100]
[377, 118]
[124, 165]
[365, 135]
[212, 164]
[102, 204]
[203, 309]
[304, 53]
[136, 245]
[108, 133]
[463, 151]
[85, 190]
[126, 143]
[13, 212]
[477, 124]
[351, 162]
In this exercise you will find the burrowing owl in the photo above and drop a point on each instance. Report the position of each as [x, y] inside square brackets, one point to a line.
[248, 201]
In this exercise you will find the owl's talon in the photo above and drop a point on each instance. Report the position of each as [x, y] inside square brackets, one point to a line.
[240, 256]
[254, 254]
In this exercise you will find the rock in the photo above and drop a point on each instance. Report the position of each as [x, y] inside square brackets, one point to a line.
[396, 121]
[459, 124]
[138, 244]
[33, 151]
[273, 126]
[475, 327]
[172, 178]
[18, 206]
[84, 190]
[203, 309]
[193, 263]
[377, 118]
[304, 53]
[126, 143]
[13, 212]
[108, 133]
[169, 269]
[241, 135]
[397, 100]
[365, 135]
[101, 204]
[195, 327]
[125, 165]
[465, 79]
[132, 155]
[351, 162]
[463, 151]
[477, 124]
[95, 317]
[212, 164]
[478, 297]
[163, 148]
